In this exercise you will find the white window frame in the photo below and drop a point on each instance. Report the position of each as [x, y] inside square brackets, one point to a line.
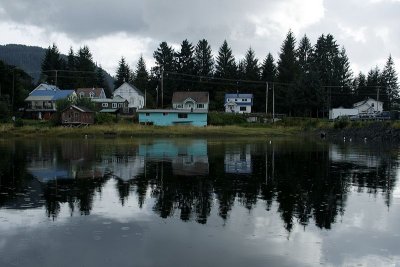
[114, 105]
[104, 105]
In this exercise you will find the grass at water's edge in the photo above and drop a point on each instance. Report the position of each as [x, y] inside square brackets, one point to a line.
[8, 130]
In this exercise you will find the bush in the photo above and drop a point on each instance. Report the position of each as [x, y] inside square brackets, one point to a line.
[18, 122]
[221, 119]
[341, 123]
[104, 118]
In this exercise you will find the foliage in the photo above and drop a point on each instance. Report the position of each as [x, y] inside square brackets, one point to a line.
[341, 123]
[104, 118]
[124, 74]
[218, 118]
[4, 112]
[18, 122]
[141, 80]
[225, 62]
[203, 60]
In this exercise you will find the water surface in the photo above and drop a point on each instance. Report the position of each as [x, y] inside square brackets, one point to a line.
[198, 202]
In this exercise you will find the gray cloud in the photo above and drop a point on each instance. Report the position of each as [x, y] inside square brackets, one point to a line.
[367, 29]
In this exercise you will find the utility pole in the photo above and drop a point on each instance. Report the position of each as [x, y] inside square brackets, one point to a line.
[162, 87]
[13, 90]
[266, 100]
[273, 103]
[56, 77]
[157, 97]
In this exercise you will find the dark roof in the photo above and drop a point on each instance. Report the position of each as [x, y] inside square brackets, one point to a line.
[81, 109]
[86, 91]
[200, 97]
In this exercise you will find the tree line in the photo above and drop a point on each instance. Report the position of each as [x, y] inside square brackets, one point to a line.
[306, 79]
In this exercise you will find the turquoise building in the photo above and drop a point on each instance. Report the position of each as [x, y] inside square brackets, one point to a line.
[168, 117]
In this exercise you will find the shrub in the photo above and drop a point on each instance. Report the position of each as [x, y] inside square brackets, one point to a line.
[104, 118]
[216, 118]
[341, 123]
[18, 122]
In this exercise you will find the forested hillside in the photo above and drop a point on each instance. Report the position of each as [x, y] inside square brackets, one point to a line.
[30, 58]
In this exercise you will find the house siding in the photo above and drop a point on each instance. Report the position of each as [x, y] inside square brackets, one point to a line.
[167, 118]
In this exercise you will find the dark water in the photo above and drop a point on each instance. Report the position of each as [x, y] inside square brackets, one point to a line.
[197, 202]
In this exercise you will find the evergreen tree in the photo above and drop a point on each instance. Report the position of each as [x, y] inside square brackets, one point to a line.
[304, 54]
[141, 80]
[165, 61]
[344, 96]
[86, 68]
[252, 70]
[124, 74]
[71, 73]
[185, 64]
[389, 83]
[51, 64]
[203, 59]
[225, 63]
[101, 81]
[308, 89]
[268, 69]
[373, 84]
[287, 73]
[360, 83]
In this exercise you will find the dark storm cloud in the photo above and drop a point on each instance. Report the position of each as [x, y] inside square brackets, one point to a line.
[78, 19]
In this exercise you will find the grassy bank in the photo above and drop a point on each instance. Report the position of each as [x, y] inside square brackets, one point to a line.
[127, 130]
[285, 127]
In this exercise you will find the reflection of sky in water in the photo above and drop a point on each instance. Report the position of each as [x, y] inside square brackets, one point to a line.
[366, 234]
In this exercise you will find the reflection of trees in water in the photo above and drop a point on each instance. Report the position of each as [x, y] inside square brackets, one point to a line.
[304, 180]
[77, 193]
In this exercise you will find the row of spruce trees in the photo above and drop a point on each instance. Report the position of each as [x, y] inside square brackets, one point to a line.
[306, 79]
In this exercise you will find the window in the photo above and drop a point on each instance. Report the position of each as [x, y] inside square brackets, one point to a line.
[242, 108]
[147, 114]
[372, 105]
[165, 113]
[182, 115]
[244, 99]
[82, 94]
[104, 105]
[114, 105]
[91, 94]
[200, 105]
[120, 105]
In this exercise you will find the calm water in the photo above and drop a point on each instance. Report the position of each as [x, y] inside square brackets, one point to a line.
[198, 202]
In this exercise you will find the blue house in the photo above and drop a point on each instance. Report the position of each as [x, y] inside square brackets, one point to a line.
[41, 102]
[168, 117]
[238, 103]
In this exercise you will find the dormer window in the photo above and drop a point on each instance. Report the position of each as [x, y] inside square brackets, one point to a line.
[91, 94]
[82, 94]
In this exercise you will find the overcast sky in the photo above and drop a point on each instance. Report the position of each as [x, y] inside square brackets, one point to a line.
[368, 29]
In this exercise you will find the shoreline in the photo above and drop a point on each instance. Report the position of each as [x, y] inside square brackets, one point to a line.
[136, 130]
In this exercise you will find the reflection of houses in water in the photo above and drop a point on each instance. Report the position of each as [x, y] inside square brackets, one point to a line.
[74, 160]
[353, 156]
[238, 160]
[188, 158]
[124, 167]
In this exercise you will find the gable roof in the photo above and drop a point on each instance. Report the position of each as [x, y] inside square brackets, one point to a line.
[238, 96]
[79, 108]
[131, 87]
[49, 95]
[97, 91]
[365, 101]
[199, 97]
[45, 87]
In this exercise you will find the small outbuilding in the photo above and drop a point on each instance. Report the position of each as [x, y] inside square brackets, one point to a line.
[77, 116]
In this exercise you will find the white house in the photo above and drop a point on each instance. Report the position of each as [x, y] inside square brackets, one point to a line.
[191, 100]
[238, 103]
[134, 96]
[368, 106]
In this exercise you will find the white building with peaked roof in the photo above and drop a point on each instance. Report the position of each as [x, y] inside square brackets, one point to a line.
[134, 96]
[368, 106]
